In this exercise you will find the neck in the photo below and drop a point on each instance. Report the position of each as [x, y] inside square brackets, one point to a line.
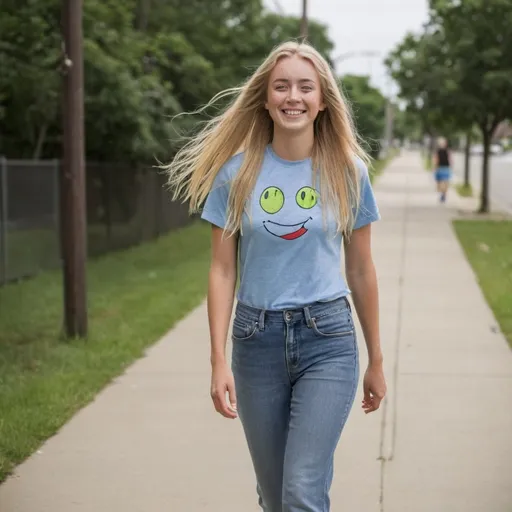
[292, 147]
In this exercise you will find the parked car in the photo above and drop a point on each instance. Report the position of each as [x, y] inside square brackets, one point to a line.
[478, 149]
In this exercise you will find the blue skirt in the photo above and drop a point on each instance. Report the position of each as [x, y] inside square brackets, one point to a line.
[443, 174]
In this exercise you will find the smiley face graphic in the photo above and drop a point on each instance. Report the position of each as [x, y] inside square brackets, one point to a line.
[272, 200]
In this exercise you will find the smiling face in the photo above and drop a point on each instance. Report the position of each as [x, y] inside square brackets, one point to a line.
[294, 95]
[272, 200]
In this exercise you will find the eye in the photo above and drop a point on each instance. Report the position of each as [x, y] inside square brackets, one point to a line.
[307, 197]
[272, 200]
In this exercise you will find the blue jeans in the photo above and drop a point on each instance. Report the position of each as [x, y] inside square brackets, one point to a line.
[296, 374]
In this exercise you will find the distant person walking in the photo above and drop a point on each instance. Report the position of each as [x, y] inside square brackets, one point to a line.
[443, 168]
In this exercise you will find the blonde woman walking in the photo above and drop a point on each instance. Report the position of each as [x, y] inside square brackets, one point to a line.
[285, 187]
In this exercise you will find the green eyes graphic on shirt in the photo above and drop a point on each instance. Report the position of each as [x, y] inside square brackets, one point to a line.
[272, 199]
[306, 197]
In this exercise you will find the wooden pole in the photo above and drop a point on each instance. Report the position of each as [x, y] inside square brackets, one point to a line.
[73, 217]
[304, 22]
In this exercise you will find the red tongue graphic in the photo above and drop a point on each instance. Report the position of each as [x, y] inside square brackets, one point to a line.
[295, 234]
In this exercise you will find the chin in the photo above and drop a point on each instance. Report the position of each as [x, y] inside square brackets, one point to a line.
[294, 127]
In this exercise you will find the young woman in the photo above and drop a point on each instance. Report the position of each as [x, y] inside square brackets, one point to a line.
[285, 187]
[442, 165]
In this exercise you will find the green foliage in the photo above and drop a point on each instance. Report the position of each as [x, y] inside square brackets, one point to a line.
[464, 190]
[478, 41]
[458, 72]
[144, 62]
[407, 125]
[29, 84]
[368, 106]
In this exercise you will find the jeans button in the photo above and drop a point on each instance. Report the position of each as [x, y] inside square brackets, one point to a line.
[288, 315]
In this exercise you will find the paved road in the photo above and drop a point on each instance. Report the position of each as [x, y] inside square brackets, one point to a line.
[500, 178]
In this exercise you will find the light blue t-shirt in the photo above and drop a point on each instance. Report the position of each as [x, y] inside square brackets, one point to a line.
[289, 257]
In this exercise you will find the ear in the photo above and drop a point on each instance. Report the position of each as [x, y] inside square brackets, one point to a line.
[265, 105]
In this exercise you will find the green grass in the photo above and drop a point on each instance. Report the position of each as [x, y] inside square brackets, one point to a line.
[464, 190]
[488, 246]
[380, 164]
[135, 296]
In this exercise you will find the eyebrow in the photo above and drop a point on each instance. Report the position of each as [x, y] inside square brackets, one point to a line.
[302, 80]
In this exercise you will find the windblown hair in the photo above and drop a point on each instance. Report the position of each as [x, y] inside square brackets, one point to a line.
[245, 125]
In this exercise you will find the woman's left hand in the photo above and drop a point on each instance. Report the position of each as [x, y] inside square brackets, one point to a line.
[374, 385]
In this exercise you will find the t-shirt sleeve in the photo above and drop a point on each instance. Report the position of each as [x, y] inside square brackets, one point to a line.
[216, 204]
[368, 209]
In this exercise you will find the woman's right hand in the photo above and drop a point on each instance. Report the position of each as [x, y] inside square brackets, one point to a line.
[223, 383]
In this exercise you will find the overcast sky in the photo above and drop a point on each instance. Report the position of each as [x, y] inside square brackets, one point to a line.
[361, 26]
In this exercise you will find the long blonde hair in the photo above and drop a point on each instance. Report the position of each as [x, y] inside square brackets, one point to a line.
[246, 125]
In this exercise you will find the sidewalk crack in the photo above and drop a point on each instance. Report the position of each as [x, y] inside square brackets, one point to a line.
[383, 458]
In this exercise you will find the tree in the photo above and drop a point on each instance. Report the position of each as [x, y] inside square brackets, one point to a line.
[30, 42]
[368, 105]
[459, 72]
[479, 41]
[422, 68]
[144, 62]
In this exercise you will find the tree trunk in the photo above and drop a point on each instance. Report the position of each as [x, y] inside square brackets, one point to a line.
[431, 146]
[484, 197]
[466, 159]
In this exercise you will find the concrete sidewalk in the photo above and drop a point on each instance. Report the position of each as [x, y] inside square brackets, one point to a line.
[442, 442]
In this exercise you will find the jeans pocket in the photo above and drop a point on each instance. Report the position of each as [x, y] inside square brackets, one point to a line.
[243, 329]
[336, 324]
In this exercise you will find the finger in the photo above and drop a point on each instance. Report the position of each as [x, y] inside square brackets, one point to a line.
[232, 397]
[376, 402]
[367, 395]
[221, 405]
[373, 405]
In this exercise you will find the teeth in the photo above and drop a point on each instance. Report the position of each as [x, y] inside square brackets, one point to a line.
[293, 112]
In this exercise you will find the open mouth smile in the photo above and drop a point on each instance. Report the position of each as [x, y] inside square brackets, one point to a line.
[293, 112]
[286, 231]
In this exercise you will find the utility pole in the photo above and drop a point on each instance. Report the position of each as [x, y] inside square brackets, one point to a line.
[388, 130]
[304, 22]
[72, 182]
[390, 114]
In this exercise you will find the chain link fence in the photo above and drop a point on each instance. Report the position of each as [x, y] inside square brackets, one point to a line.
[125, 206]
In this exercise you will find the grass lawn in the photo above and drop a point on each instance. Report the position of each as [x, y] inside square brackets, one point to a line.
[488, 246]
[379, 165]
[135, 296]
[464, 190]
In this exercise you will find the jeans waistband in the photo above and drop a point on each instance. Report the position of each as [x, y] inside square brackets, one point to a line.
[314, 310]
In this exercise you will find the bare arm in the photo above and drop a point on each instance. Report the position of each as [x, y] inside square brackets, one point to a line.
[221, 290]
[362, 280]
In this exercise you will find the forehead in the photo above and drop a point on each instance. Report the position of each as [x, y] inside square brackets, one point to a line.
[294, 68]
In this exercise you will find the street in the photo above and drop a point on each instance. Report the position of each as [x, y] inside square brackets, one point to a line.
[500, 178]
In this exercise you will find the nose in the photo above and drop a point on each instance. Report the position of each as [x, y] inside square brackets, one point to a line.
[293, 95]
